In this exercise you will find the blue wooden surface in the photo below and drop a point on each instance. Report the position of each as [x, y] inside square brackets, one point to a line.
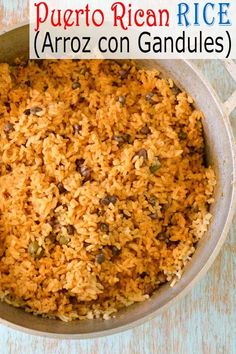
[204, 322]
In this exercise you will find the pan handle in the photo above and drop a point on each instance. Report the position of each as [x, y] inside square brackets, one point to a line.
[230, 103]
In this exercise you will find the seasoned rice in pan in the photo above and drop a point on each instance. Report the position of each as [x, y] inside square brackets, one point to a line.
[104, 190]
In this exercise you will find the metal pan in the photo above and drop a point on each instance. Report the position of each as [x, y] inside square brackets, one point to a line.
[220, 153]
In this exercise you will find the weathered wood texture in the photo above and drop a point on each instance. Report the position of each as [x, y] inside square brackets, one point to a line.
[204, 322]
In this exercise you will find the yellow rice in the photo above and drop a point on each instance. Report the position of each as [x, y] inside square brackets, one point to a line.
[56, 113]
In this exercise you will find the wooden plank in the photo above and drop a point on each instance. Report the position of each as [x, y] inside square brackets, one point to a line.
[12, 12]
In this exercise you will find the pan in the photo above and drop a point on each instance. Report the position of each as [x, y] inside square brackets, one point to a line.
[220, 152]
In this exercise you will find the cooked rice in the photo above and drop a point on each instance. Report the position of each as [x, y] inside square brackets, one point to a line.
[72, 134]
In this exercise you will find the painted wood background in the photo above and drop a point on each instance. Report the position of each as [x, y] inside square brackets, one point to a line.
[204, 322]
